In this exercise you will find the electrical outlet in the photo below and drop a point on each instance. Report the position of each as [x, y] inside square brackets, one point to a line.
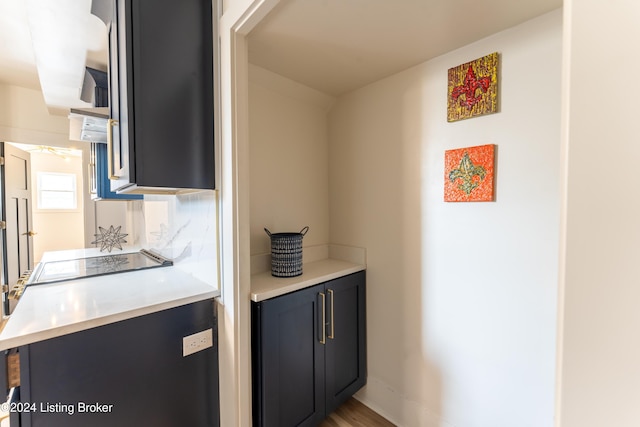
[197, 342]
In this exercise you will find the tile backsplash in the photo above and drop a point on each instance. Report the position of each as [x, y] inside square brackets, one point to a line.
[182, 228]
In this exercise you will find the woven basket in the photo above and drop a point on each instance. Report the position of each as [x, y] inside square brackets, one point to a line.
[286, 253]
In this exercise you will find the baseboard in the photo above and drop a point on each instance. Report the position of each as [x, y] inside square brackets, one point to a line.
[396, 408]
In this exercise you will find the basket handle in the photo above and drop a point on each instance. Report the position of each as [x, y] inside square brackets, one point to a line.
[303, 231]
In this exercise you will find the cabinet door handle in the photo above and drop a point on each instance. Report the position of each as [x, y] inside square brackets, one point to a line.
[331, 334]
[323, 333]
[110, 124]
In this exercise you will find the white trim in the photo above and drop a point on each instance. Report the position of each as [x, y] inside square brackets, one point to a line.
[234, 327]
[564, 176]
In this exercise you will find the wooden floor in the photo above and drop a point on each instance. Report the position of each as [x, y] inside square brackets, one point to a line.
[354, 414]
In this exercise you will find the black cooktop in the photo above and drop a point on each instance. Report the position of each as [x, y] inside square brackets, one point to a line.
[56, 271]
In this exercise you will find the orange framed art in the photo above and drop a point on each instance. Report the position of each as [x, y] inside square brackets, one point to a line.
[469, 174]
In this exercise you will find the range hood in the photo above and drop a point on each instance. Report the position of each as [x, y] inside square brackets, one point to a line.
[88, 124]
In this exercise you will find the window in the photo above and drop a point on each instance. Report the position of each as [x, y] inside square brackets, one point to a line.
[57, 191]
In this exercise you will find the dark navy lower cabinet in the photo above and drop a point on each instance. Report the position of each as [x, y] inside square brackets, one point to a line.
[308, 352]
[129, 373]
[346, 348]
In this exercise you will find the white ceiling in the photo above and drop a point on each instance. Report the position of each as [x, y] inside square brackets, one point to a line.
[336, 46]
[16, 50]
[46, 44]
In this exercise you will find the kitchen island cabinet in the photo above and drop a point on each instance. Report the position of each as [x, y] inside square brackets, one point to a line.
[52, 310]
[128, 373]
[308, 352]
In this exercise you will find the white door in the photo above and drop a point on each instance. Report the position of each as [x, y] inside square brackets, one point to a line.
[17, 236]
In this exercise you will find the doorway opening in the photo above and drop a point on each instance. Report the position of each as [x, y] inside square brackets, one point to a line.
[56, 176]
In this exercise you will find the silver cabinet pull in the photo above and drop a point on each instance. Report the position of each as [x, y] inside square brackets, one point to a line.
[110, 124]
[323, 334]
[331, 333]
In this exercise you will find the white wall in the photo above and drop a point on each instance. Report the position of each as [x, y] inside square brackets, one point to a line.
[24, 118]
[600, 347]
[57, 229]
[461, 296]
[289, 170]
[188, 235]
[116, 213]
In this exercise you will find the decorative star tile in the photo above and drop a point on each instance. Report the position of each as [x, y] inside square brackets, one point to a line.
[109, 239]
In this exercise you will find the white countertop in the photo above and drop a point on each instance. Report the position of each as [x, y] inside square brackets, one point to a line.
[265, 286]
[51, 310]
[68, 254]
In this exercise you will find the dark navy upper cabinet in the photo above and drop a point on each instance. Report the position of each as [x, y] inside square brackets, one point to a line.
[308, 352]
[161, 96]
[102, 182]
